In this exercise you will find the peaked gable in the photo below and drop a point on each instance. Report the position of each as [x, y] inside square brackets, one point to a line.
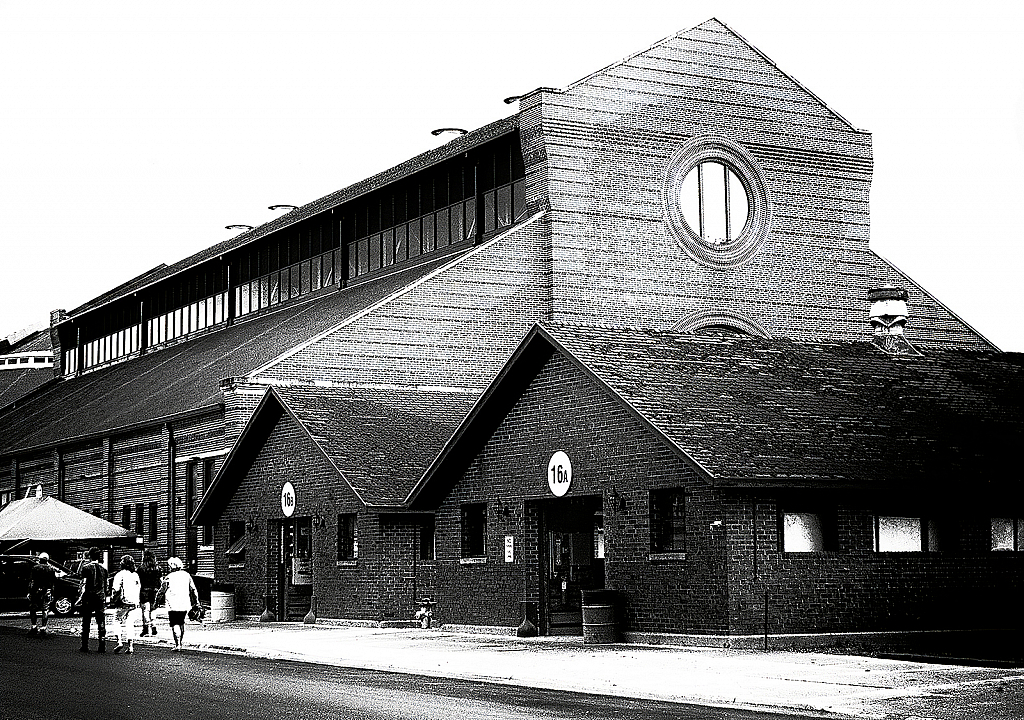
[752, 412]
[376, 441]
[709, 79]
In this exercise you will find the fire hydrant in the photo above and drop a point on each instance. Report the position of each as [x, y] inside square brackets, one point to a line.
[426, 612]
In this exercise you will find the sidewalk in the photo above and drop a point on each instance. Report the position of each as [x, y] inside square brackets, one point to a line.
[835, 685]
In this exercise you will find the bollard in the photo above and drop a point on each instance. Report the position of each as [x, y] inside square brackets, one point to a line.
[310, 618]
[268, 614]
[527, 628]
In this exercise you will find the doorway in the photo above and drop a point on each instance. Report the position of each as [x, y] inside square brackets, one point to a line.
[572, 560]
[294, 568]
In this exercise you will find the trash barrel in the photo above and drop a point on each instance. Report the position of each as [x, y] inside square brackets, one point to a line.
[599, 617]
[222, 603]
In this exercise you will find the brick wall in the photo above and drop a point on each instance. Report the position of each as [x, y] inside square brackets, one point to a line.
[342, 589]
[607, 141]
[854, 588]
[613, 457]
[732, 554]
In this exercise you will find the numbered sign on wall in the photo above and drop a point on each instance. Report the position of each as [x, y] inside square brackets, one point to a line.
[559, 474]
[287, 499]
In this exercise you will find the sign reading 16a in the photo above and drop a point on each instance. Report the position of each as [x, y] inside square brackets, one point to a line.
[559, 474]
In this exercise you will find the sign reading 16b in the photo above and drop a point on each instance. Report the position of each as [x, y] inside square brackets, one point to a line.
[559, 474]
[288, 499]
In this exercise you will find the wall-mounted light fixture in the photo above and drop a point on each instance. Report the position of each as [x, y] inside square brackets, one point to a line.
[618, 502]
[437, 132]
[511, 99]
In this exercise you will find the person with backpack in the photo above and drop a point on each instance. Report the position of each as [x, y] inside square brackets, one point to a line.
[40, 592]
[93, 600]
[149, 577]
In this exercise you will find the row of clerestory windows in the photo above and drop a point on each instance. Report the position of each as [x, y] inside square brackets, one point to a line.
[461, 200]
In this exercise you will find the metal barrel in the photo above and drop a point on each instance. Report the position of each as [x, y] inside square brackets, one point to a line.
[599, 617]
[222, 606]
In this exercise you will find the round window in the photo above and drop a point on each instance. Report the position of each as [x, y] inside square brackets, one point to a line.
[716, 202]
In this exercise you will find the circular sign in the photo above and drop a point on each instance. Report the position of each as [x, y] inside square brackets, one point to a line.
[559, 474]
[287, 499]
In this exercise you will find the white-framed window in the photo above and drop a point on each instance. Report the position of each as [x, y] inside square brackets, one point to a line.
[1007, 533]
[802, 532]
[894, 533]
[714, 202]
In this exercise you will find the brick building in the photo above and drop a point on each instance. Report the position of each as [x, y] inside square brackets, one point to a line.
[733, 486]
[267, 408]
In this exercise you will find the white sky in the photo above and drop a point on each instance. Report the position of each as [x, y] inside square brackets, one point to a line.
[132, 133]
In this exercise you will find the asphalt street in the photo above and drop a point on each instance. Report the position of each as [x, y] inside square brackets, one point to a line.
[48, 678]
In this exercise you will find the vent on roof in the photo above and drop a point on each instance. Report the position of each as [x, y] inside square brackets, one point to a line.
[888, 316]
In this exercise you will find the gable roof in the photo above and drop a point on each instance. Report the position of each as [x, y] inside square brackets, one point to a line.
[184, 378]
[378, 440]
[750, 412]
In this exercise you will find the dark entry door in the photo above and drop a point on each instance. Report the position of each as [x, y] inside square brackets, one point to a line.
[295, 568]
[573, 561]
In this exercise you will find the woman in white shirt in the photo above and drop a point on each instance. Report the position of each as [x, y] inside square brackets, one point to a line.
[180, 595]
[127, 587]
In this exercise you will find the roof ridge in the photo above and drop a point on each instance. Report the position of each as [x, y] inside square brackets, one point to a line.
[627, 58]
[793, 79]
[312, 208]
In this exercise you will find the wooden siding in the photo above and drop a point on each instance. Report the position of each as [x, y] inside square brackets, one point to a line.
[85, 478]
[35, 470]
[139, 475]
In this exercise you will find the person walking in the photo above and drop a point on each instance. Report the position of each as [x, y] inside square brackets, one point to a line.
[93, 599]
[149, 576]
[40, 592]
[181, 595]
[127, 589]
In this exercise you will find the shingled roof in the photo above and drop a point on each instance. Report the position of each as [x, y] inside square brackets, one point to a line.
[183, 378]
[379, 440]
[749, 412]
[16, 384]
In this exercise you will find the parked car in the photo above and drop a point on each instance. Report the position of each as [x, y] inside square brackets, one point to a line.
[14, 574]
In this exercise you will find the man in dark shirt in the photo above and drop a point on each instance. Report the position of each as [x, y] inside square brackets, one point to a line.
[40, 592]
[94, 600]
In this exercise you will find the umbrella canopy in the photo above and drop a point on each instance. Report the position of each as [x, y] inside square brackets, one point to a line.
[47, 519]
